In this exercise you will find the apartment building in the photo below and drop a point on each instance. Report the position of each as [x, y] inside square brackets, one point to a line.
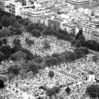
[13, 7]
[83, 3]
[54, 23]
[2, 3]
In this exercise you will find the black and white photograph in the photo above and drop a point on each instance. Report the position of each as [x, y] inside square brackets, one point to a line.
[49, 49]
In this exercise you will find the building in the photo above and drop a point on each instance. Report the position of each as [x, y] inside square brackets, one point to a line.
[83, 3]
[55, 24]
[96, 35]
[2, 4]
[13, 8]
[88, 33]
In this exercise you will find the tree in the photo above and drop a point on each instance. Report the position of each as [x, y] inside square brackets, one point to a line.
[79, 53]
[90, 44]
[4, 33]
[39, 26]
[2, 57]
[6, 50]
[6, 21]
[14, 70]
[18, 56]
[18, 31]
[38, 60]
[4, 41]
[32, 67]
[51, 74]
[29, 55]
[82, 40]
[57, 56]
[78, 43]
[1, 84]
[17, 44]
[18, 17]
[48, 31]
[95, 58]
[73, 42]
[36, 33]
[30, 27]
[51, 61]
[93, 91]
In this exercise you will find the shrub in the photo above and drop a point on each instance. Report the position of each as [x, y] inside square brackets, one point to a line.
[95, 58]
[6, 21]
[19, 56]
[57, 56]
[93, 91]
[6, 50]
[51, 61]
[29, 55]
[17, 44]
[18, 31]
[51, 74]
[1, 43]
[4, 33]
[30, 27]
[38, 60]
[32, 67]
[1, 84]
[14, 70]
[18, 17]
[2, 57]
[4, 41]
[36, 33]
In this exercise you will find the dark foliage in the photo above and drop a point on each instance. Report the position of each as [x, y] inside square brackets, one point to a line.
[93, 91]
[29, 55]
[14, 70]
[7, 21]
[18, 31]
[32, 67]
[36, 33]
[1, 84]
[51, 61]
[38, 60]
[17, 44]
[51, 74]
[18, 17]
[1, 43]
[2, 57]
[6, 50]
[30, 27]
[19, 55]
[4, 41]
[57, 56]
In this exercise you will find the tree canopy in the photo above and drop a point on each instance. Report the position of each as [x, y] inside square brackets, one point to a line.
[93, 91]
